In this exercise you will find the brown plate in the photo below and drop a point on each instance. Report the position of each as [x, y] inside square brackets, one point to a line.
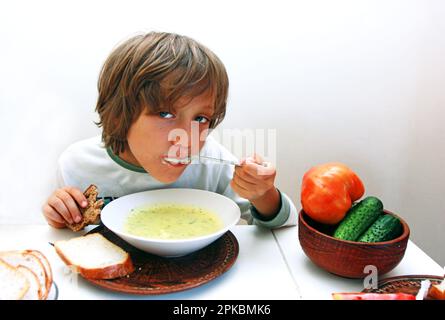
[157, 275]
[404, 284]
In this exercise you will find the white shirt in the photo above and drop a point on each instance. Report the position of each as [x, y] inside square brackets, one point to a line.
[89, 162]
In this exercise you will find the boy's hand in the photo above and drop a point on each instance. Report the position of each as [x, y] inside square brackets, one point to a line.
[62, 207]
[251, 179]
[255, 182]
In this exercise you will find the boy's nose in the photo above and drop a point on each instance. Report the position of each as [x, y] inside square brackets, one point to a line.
[185, 139]
[181, 142]
[180, 148]
[190, 129]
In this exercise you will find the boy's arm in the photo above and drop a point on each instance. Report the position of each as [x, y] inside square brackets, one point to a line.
[269, 204]
[286, 215]
[254, 180]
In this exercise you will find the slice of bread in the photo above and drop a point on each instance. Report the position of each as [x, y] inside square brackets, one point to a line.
[46, 265]
[34, 290]
[26, 259]
[13, 284]
[91, 212]
[95, 257]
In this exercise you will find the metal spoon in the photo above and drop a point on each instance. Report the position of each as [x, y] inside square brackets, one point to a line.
[222, 161]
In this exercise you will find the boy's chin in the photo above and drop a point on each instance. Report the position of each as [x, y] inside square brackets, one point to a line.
[167, 181]
[167, 178]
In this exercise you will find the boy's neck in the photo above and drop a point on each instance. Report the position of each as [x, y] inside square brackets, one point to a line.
[128, 156]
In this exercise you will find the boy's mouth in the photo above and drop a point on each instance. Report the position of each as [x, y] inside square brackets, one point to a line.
[176, 162]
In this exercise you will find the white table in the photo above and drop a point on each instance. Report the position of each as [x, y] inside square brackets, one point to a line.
[259, 273]
[270, 265]
[316, 283]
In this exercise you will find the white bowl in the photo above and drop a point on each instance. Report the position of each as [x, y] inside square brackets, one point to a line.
[116, 212]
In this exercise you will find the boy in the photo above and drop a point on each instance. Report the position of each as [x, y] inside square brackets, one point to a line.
[154, 91]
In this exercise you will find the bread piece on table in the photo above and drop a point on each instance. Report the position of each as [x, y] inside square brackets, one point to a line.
[46, 265]
[34, 290]
[26, 259]
[95, 257]
[91, 212]
[13, 284]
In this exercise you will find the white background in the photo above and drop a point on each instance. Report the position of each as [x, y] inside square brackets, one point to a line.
[360, 82]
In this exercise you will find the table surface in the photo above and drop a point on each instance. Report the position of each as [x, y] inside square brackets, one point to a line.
[315, 283]
[259, 272]
[271, 265]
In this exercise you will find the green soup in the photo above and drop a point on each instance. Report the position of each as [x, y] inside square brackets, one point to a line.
[171, 221]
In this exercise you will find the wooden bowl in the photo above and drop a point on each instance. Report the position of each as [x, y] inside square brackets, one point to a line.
[349, 258]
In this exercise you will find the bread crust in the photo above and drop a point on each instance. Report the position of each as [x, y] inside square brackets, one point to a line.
[47, 266]
[34, 279]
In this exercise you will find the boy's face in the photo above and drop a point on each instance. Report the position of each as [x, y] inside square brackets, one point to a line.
[168, 134]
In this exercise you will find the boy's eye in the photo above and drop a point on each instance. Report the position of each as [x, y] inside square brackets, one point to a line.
[202, 119]
[166, 115]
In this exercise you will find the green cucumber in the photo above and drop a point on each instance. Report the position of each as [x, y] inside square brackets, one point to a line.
[359, 218]
[385, 228]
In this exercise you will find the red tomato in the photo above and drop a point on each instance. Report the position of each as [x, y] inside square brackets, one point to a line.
[372, 296]
[328, 191]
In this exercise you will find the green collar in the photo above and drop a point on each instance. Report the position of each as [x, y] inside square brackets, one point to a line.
[124, 163]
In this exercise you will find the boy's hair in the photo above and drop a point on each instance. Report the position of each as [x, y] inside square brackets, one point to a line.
[153, 71]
